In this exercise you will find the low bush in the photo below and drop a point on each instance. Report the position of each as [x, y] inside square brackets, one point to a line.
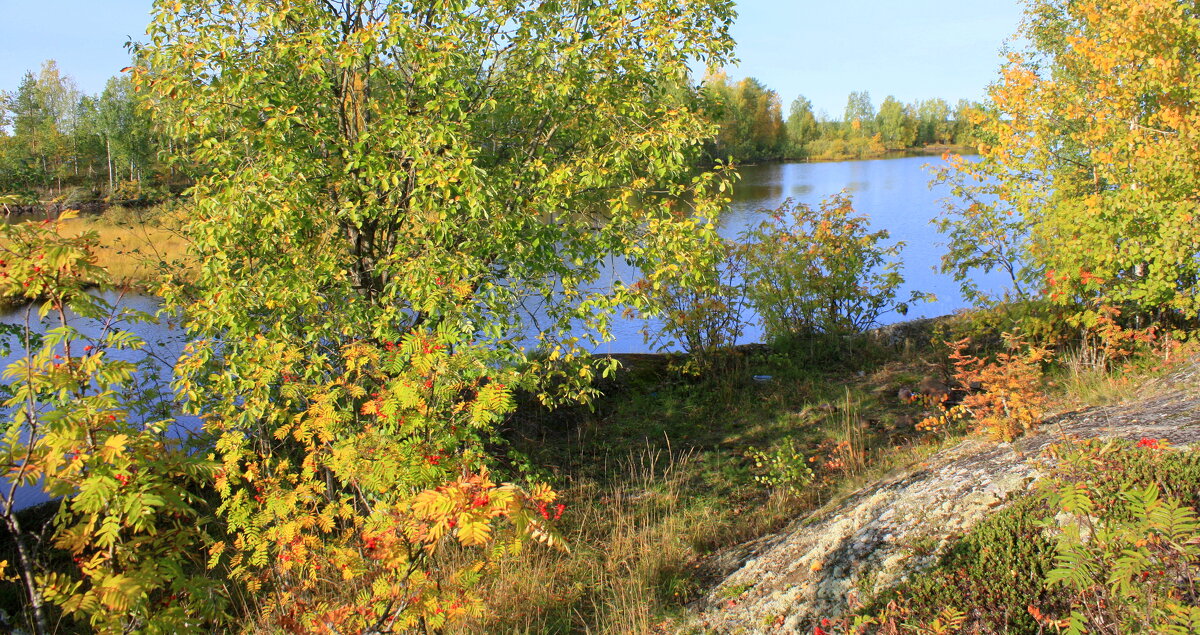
[78, 426]
[705, 318]
[1004, 396]
[821, 270]
[783, 469]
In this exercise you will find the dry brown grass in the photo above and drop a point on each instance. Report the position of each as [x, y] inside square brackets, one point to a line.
[138, 249]
[652, 528]
[637, 539]
[135, 253]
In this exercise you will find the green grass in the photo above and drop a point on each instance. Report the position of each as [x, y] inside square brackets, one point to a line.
[657, 478]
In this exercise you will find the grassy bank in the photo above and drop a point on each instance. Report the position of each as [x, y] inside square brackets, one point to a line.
[832, 150]
[668, 476]
[667, 471]
[134, 252]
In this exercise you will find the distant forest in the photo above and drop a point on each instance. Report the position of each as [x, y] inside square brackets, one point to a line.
[60, 144]
[753, 127]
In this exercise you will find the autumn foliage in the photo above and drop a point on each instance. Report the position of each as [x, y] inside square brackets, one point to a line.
[1086, 188]
[821, 270]
[373, 474]
[380, 193]
[1004, 396]
[80, 426]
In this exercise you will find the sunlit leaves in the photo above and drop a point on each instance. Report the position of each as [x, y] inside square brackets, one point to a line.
[1088, 168]
[78, 427]
[375, 489]
[1005, 395]
[821, 270]
[384, 185]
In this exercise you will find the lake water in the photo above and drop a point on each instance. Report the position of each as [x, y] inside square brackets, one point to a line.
[893, 193]
[896, 196]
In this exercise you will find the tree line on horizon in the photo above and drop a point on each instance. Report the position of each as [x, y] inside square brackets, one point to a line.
[753, 126]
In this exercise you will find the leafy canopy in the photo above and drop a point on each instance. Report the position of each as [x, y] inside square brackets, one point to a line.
[393, 199]
[1088, 181]
[464, 162]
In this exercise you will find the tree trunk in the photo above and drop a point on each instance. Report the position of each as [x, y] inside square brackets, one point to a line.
[27, 568]
[108, 151]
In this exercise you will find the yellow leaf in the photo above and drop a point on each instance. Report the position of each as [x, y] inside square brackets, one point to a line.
[113, 447]
[472, 531]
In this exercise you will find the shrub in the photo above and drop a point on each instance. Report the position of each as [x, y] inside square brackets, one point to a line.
[1107, 542]
[705, 317]
[782, 469]
[821, 271]
[1105, 341]
[1006, 398]
[1037, 318]
[995, 570]
[79, 426]
[1130, 559]
[373, 474]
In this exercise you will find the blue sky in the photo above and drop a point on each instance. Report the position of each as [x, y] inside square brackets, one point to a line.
[86, 37]
[911, 49]
[821, 49]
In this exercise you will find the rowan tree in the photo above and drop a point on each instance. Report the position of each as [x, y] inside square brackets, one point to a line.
[397, 198]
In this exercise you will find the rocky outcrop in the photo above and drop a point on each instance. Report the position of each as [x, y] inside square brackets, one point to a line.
[785, 583]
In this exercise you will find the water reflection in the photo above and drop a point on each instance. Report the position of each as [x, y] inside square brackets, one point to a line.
[894, 193]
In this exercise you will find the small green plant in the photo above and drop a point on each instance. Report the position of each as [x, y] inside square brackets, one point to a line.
[1131, 562]
[733, 591]
[783, 469]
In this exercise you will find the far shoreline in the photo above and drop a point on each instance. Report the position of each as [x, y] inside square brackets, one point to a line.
[907, 153]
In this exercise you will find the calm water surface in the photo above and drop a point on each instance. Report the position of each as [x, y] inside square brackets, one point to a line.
[894, 193]
[164, 343]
